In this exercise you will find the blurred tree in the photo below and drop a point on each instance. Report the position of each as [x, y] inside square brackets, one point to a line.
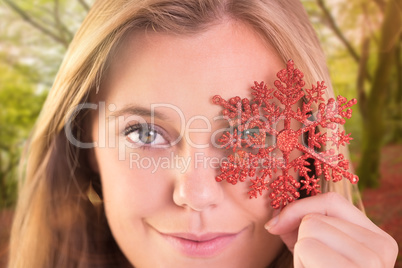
[34, 36]
[20, 105]
[370, 32]
[37, 33]
[376, 114]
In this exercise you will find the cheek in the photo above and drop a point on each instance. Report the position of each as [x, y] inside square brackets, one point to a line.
[132, 189]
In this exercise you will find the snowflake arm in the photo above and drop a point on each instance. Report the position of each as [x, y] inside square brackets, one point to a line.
[254, 122]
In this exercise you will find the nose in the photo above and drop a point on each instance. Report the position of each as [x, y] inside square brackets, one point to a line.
[197, 188]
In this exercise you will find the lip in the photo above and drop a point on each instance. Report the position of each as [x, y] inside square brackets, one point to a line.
[200, 245]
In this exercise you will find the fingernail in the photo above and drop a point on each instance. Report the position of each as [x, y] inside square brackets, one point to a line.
[269, 225]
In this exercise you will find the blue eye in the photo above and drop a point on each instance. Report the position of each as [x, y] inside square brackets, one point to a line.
[251, 132]
[145, 135]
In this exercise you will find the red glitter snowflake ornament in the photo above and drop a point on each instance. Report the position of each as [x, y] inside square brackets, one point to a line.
[260, 150]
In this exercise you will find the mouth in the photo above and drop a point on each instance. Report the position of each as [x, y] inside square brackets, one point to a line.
[200, 245]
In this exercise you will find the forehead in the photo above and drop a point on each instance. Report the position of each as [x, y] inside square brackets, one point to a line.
[187, 71]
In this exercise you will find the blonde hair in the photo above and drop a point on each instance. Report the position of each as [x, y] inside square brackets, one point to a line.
[55, 224]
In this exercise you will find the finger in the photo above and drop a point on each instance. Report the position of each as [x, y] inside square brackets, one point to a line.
[384, 244]
[329, 204]
[311, 253]
[313, 226]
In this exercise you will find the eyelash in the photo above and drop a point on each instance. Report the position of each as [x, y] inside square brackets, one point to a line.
[150, 128]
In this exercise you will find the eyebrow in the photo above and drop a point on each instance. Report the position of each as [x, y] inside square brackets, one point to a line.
[138, 110]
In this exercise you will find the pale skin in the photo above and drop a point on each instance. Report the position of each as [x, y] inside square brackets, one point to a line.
[146, 207]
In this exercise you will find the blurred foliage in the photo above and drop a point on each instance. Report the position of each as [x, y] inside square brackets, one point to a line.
[20, 105]
[34, 36]
[362, 40]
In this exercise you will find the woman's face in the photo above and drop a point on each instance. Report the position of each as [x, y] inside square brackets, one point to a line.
[157, 155]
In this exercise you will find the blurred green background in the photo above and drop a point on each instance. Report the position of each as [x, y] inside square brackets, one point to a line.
[361, 38]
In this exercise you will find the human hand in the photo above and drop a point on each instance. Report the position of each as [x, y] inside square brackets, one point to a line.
[328, 231]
